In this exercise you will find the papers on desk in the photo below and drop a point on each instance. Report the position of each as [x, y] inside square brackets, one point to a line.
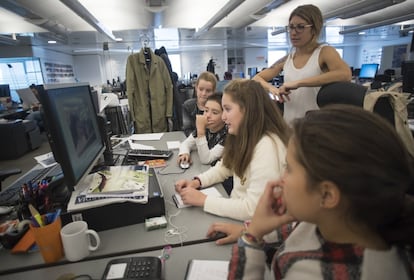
[207, 270]
[87, 194]
[212, 191]
[46, 160]
[146, 136]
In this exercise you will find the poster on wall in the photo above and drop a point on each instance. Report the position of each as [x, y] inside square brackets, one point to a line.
[59, 73]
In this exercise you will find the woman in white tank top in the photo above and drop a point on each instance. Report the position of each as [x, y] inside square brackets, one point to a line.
[307, 67]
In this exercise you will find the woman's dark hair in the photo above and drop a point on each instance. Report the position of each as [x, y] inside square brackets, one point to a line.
[364, 156]
[261, 116]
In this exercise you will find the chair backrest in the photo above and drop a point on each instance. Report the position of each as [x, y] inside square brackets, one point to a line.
[353, 94]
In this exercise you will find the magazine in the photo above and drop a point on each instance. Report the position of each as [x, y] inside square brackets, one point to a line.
[112, 181]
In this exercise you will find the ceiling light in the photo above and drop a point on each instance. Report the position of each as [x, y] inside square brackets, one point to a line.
[361, 7]
[84, 13]
[51, 42]
[377, 24]
[224, 11]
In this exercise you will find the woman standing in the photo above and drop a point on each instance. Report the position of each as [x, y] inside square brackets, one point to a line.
[307, 67]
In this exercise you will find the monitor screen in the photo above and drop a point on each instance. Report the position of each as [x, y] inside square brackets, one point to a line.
[73, 129]
[4, 90]
[368, 71]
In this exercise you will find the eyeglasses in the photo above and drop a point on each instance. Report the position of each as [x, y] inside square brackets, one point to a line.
[298, 28]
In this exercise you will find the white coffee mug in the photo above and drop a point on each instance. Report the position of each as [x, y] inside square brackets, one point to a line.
[76, 240]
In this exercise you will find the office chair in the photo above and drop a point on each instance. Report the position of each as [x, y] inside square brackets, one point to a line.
[4, 173]
[353, 94]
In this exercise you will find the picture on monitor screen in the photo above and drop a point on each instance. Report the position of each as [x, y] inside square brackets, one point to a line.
[73, 129]
[368, 71]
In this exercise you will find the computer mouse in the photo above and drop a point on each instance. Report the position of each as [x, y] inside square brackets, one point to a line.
[184, 165]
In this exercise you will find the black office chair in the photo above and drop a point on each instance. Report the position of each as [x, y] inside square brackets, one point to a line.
[4, 173]
[353, 94]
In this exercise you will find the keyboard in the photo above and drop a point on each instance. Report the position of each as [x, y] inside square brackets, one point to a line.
[10, 195]
[148, 154]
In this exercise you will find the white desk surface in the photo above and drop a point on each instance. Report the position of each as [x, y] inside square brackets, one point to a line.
[174, 268]
[134, 238]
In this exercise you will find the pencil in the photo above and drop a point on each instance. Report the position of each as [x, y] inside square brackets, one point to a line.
[36, 215]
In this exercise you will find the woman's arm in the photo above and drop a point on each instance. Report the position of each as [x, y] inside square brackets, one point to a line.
[335, 70]
[264, 76]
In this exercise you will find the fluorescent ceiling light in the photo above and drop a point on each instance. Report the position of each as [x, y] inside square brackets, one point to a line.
[224, 11]
[81, 11]
[377, 24]
[51, 42]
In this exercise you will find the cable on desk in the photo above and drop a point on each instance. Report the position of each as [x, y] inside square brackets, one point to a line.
[170, 173]
[175, 231]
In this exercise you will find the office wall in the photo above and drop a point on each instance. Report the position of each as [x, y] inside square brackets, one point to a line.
[196, 61]
[255, 57]
[88, 68]
[48, 56]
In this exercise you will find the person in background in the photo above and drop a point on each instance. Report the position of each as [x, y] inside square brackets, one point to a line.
[347, 184]
[254, 152]
[35, 114]
[209, 136]
[221, 84]
[307, 67]
[204, 87]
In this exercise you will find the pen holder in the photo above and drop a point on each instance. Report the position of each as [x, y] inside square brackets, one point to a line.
[49, 241]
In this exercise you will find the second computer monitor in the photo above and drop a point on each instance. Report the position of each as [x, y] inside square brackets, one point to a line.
[368, 71]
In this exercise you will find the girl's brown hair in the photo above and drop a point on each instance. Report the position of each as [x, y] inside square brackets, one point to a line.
[261, 116]
[364, 156]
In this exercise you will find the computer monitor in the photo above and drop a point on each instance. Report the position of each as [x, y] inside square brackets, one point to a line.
[73, 129]
[4, 90]
[368, 70]
[407, 72]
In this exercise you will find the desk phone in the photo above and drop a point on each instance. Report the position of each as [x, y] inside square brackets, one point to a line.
[149, 268]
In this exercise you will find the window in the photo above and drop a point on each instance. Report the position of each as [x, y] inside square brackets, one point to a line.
[175, 60]
[20, 73]
[274, 56]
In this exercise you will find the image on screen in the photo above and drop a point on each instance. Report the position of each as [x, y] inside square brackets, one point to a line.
[73, 129]
[368, 71]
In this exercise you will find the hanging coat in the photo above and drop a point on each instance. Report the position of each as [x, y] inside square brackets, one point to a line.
[150, 93]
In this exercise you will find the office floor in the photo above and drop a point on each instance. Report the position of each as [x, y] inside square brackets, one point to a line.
[25, 163]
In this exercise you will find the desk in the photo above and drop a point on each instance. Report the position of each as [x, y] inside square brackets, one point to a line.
[174, 268]
[134, 238]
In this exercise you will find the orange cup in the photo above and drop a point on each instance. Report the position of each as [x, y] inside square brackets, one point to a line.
[49, 241]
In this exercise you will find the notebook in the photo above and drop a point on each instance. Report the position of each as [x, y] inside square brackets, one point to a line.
[27, 97]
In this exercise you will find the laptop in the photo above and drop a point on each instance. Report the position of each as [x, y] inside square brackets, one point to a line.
[27, 96]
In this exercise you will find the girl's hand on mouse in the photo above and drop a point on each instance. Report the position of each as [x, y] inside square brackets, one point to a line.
[184, 158]
[233, 232]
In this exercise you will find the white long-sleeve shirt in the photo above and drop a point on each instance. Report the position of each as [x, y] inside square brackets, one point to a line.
[206, 155]
[267, 164]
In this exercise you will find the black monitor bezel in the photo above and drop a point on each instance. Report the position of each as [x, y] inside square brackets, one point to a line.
[56, 135]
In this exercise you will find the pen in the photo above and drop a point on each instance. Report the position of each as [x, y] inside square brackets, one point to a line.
[35, 215]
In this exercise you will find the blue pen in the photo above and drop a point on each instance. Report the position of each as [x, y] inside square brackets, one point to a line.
[57, 214]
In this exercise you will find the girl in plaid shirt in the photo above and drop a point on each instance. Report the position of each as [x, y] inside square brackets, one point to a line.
[348, 183]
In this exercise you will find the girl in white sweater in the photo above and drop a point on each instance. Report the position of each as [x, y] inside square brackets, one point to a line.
[254, 152]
